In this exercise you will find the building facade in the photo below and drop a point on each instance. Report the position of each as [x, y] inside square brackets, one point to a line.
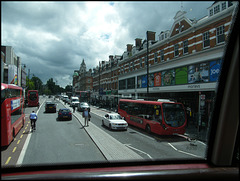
[105, 83]
[11, 67]
[82, 79]
[184, 63]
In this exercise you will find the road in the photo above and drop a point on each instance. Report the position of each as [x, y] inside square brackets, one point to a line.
[69, 142]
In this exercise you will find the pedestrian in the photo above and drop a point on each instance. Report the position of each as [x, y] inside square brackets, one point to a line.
[33, 117]
[89, 115]
[85, 115]
[73, 107]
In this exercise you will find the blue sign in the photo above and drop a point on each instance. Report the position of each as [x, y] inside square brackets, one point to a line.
[215, 68]
[144, 81]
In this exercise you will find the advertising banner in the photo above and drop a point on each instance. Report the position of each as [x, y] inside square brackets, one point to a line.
[157, 79]
[12, 75]
[144, 81]
[215, 68]
[198, 73]
[168, 77]
[151, 80]
[181, 75]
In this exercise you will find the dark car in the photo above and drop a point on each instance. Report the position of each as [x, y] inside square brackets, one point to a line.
[50, 107]
[64, 114]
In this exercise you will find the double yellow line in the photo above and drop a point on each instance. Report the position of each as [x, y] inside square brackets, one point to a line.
[14, 149]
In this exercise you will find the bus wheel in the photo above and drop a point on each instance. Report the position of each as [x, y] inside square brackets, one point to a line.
[148, 129]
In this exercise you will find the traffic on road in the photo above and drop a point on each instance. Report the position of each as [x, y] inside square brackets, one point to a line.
[56, 141]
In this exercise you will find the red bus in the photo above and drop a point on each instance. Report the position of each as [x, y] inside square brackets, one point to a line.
[12, 112]
[33, 98]
[162, 117]
[84, 96]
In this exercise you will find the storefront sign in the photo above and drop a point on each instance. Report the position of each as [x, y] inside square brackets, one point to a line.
[194, 86]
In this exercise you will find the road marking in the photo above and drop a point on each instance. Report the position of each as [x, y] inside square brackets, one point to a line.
[184, 151]
[14, 149]
[23, 152]
[21, 136]
[9, 158]
[128, 145]
[18, 142]
[24, 131]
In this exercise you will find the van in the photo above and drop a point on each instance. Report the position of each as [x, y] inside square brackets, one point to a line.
[74, 101]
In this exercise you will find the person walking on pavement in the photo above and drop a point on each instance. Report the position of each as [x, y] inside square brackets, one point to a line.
[73, 107]
[33, 117]
[85, 115]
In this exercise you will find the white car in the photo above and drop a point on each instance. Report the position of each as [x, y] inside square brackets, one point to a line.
[114, 121]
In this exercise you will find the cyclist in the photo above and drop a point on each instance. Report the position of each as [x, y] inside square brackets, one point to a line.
[33, 117]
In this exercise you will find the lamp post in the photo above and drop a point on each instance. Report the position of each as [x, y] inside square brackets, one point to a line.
[147, 69]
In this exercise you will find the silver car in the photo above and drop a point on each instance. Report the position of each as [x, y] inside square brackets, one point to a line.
[114, 121]
[82, 106]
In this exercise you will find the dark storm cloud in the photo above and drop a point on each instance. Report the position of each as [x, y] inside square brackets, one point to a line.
[52, 38]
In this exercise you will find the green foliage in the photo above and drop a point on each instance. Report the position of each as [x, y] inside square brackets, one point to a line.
[50, 88]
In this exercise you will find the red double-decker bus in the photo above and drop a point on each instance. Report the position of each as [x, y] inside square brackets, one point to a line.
[162, 117]
[12, 112]
[33, 98]
[84, 96]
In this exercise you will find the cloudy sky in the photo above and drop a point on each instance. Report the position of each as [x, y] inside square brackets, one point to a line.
[52, 38]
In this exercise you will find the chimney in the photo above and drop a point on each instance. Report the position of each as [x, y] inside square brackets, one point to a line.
[110, 58]
[138, 42]
[151, 35]
[129, 47]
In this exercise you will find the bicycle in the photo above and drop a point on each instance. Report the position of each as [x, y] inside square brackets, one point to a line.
[33, 124]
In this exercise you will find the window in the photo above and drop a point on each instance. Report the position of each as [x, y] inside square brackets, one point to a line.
[145, 62]
[216, 9]
[185, 47]
[211, 12]
[95, 151]
[131, 83]
[223, 5]
[162, 55]
[176, 51]
[220, 34]
[122, 84]
[155, 57]
[206, 40]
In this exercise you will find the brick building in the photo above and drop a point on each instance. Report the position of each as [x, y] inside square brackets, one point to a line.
[184, 63]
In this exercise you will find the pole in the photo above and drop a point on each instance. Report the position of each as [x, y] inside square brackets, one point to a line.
[147, 70]
[99, 79]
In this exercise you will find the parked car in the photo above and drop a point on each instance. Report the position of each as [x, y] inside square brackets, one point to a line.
[114, 121]
[82, 106]
[64, 113]
[50, 107]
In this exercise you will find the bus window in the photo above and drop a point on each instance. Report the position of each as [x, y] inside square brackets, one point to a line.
[174, 114]
[157, 115]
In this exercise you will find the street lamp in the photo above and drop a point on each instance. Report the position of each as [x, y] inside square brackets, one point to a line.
[147, 69]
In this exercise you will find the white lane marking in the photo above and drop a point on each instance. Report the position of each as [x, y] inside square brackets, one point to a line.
[183, 151]
[23, 152]
[128, 145]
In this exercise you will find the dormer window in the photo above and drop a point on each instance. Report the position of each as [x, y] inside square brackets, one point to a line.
[224, 5]
[216, 9]
[219, 6]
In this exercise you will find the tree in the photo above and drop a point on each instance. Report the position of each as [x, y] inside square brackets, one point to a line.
[38, 84]
[30, 84]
